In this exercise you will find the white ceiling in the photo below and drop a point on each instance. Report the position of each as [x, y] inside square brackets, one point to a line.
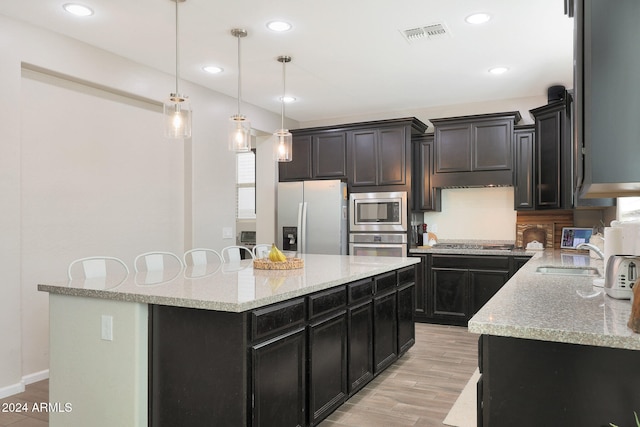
[349, 56]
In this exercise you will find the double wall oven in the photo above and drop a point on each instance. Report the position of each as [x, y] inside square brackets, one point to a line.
[378, 224]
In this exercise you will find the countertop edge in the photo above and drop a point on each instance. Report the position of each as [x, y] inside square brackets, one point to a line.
[219, 305]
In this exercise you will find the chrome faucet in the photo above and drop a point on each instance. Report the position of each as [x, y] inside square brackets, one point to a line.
[592, 247]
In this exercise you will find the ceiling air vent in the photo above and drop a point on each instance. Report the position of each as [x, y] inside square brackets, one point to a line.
[428, 32]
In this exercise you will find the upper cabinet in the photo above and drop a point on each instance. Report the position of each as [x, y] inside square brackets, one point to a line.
[524, 167]
[378, 156]
[425, 196]
[553, 172]
[474, 150]
[316, 155]
[367, 154]
[607, 94]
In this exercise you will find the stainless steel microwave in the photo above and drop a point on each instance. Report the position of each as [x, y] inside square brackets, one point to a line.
[378, 212]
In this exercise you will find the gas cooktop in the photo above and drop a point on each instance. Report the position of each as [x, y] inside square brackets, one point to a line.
[484, 246]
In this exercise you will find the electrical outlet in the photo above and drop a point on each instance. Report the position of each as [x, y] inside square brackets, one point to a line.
[107, 327]
[433, 228]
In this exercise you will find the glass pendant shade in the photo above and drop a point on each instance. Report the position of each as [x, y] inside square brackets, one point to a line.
[283, 151]
[239, 133]
[283, 147]
[177, 117]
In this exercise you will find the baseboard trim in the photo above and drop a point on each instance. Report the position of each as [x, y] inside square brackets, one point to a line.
[12, 389]
[35, 377]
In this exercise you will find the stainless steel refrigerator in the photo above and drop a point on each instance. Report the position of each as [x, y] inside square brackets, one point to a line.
[312, 217]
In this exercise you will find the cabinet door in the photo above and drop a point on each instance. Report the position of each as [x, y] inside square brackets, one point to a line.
[363, 158]
[524, 178]
[330, 155]
[450, 293]
[453, 148]
[327, 365]
[278, 386]
[392, 156]
[360, 345]
[406, 325]
[548, 174]
[425, 197]
[385, 329]
[299, 168]
[484, 285]
[492, 145]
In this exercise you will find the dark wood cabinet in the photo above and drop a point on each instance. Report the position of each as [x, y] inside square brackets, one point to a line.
[425, 196]
[385, 321]
[360, 332]
[474, 150]
[569, 383]
[451, 288]
[553, 172]
[278, 381]
[524, 171]
[378, 156]
[450, 294]
[290, 363]
[327, 365]
[406, 304]
[321, 155]
[484, 285]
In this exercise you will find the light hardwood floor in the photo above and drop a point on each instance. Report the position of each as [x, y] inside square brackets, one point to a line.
[418, 390]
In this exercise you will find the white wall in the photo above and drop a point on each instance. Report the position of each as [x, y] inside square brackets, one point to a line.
[189, 185]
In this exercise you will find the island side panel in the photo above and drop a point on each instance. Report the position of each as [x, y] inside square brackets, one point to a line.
[532, 383]
[198, 362]
[104, 382]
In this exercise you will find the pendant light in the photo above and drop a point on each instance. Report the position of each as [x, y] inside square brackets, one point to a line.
[283, 148]
[177, 110]
[239, 125]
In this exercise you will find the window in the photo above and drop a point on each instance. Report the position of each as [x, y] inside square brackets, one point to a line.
[629, 208]
[246, 185]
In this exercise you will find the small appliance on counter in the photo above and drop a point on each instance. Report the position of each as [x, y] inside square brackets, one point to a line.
[620, 275]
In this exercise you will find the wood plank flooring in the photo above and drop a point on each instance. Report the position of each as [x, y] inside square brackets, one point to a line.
[418, 390]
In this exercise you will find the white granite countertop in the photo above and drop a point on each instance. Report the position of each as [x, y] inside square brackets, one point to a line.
[557, 308]
[235, 286]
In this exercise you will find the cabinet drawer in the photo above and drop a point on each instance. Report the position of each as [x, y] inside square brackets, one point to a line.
[407, 275]
[269, 320]
[360, 290]
[486, 262]
[386, 281]
[326, 301]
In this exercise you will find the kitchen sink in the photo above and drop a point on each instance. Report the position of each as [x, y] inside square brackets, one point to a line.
[568, 271]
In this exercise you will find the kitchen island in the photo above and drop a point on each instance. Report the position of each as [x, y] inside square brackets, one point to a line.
[555, 350]
[230, 346]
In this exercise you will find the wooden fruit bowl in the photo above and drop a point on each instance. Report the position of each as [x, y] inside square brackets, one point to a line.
[267, 264]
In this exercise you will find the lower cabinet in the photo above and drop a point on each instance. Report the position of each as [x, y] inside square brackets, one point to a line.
[451, 288]
[278, 381]
[385, 327]
[289, 364]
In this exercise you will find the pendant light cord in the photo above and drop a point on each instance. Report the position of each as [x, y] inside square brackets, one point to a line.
[284, 91]
[177, 56]
[239, 76]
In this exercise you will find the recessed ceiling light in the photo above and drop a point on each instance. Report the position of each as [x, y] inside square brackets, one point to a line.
[279, 26]
[212, 69]
[478, 18]
[287, 99]
[498, 70]
[78, 9]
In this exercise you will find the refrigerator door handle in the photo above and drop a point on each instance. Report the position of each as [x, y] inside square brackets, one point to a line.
[302, 224]
[300, 230]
